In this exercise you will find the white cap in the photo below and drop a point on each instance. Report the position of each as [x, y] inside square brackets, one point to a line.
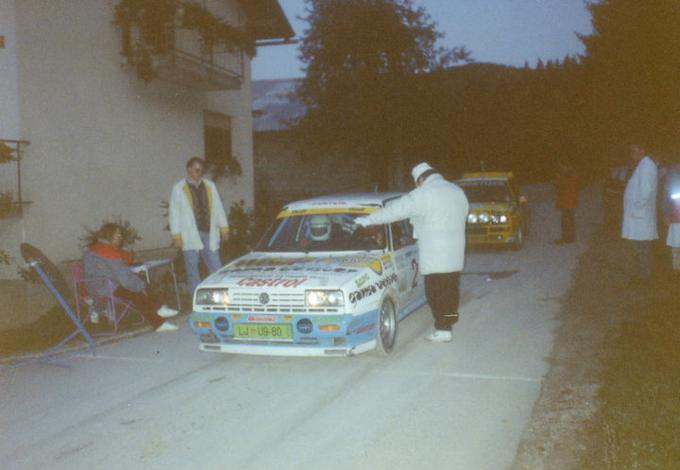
[419, 169]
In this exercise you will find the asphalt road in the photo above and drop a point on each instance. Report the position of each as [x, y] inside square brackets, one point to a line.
[156, 402]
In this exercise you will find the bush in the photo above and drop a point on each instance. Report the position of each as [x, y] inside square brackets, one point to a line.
[246, 226]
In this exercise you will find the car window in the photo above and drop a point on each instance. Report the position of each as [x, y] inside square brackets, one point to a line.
[322, 232]
[486, 191]
[402, 234]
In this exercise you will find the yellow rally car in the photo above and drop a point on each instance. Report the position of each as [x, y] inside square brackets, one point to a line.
[498, 214]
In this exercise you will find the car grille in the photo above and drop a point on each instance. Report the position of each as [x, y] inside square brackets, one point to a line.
[252, 301]
[476, 230]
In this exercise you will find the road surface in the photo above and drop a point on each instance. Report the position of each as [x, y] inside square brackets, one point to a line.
[156, 402]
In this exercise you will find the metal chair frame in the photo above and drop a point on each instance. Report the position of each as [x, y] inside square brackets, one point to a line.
[113, 308]
[34, 258]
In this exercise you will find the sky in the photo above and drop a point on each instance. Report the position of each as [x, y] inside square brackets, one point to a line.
[509, 32]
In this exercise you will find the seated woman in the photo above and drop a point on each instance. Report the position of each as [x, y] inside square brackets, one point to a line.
[107, 259]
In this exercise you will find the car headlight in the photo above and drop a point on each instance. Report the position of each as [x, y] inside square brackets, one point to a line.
[499, 219]
[212, 297]
[472, 218]
[484, 218]
[324, 298]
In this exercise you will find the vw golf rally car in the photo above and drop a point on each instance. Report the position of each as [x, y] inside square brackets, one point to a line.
[316, 284]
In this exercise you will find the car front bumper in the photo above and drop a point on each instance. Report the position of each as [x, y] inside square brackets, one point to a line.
[270, 349]
[349, 335]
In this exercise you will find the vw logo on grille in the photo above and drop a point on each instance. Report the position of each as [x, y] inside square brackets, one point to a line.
[264, 298]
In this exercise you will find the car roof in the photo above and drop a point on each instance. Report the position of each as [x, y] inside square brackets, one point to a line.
[487, 175]
[359, 202]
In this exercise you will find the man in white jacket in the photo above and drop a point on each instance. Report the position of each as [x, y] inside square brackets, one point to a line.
[197, 221]
[639, 210]
[438, 211]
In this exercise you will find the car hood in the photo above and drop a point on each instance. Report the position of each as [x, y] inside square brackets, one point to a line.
[293, 271]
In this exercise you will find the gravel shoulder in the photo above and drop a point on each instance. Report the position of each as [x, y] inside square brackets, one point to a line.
[599, 301]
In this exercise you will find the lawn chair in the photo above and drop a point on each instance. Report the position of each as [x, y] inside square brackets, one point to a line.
[89, 306]
[52, 278]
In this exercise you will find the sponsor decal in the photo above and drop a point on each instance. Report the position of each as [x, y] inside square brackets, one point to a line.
[364, 292]
[262, 318]
[327, 264]
[387, 281]
[362, 280]
[273, 282]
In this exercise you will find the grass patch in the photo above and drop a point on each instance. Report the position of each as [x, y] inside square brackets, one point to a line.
[638, 423]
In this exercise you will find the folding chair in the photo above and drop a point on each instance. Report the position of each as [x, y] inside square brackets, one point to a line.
[52, 278]
[112, 308]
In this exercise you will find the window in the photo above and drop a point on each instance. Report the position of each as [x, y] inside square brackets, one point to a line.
[217, 138]
[401, 234]
[11, 201]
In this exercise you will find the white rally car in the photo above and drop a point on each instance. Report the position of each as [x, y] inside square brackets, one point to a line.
[315, 285]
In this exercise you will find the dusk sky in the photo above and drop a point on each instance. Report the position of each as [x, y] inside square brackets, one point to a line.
[508, 32]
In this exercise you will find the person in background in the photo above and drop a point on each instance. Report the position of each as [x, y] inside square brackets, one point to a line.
[438, 211]
[671, 210]
[197, 221]
[639, 211]
[107, 259]
[566, 201]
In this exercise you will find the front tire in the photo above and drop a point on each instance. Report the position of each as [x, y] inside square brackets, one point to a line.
[387, 328]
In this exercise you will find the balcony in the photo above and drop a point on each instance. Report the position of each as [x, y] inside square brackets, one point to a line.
[184, 44]
[183, 61]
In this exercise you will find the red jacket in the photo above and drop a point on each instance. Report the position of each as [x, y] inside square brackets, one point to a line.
[567, 191]
[108, 251]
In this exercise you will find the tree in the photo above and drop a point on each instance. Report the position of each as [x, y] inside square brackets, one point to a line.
[361, 57]
[633, 61]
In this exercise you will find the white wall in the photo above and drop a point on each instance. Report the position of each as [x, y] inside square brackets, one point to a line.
[9, 92]
[103, 142]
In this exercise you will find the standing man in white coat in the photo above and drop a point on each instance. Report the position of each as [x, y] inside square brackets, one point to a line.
[197, 221]
[639, 211]
[438, 211]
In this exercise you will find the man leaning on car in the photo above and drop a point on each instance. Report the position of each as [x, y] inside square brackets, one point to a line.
[438, 211]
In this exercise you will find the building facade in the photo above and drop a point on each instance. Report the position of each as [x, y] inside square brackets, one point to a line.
[98, 137]
[103, 101]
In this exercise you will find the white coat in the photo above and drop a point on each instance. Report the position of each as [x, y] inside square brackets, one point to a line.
[639, 203]
[438, 211]
[183, 223]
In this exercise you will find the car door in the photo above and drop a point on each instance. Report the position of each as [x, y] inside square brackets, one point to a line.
[405, 255]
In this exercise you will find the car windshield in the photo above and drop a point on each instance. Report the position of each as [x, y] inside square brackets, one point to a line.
[486, 191]
[322, 232]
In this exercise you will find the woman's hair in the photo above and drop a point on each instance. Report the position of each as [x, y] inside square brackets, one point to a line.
[107, 230]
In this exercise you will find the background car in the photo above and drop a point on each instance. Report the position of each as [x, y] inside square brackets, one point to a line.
[316, 284]
[499, 215]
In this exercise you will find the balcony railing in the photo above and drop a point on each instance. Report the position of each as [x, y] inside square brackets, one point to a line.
[178, 56]
[168, 50]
